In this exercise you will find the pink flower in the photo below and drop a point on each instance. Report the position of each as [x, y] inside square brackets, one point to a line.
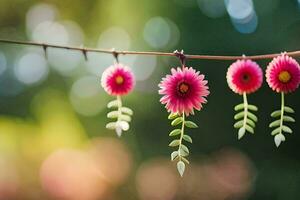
[117, 80]
[183, 90]
[283, 74]
[244, 76]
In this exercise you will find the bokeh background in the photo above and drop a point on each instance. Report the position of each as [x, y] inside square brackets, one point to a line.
[53, 141]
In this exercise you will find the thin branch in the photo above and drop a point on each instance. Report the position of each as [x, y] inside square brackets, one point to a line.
[114, 52]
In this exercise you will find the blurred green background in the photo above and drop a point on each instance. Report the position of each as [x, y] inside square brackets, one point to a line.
[53, 141]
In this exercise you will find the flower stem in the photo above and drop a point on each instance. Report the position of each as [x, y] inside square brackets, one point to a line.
[245, 109]
[181, 136]
[282, 112]
[119, 107]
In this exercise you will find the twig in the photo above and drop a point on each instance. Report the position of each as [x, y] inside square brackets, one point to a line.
[114, 52]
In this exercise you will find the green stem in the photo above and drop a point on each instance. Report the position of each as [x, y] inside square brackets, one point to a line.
[245, 109]
[282, 112]
[181, 135]
[119, 107]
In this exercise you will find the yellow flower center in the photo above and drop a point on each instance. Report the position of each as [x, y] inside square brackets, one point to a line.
[284, 76]
[183, 88]
[119, 80]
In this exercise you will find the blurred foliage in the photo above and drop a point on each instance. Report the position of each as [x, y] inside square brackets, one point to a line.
[40, 118]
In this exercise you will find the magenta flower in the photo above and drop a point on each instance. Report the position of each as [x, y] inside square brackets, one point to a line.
[117, 80]
[183, 90]
[283, 74]
[244, 76]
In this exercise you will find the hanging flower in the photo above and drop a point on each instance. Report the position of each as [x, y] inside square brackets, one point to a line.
[244, 77]
[283, 76]
[118, 80]
[184, 90]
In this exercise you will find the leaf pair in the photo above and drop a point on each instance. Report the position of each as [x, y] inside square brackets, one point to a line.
[121, 114]
[183, 150]
[246, 118]
[279, 126]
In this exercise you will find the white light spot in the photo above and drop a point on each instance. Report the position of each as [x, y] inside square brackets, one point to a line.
[143, 67]
[157, 32]
[114, 37]
[75, 32]
[63, 61]
[87, 97]
[39, 13]
[31, 68]
[51, 32]
[242, 14]
[239, 9]
[97, 62]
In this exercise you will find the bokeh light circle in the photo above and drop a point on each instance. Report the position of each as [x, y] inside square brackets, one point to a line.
[3, 63]
[31, 68]
[39, 13]
[156, 179]
[157, 32]
[87, 97]
[114, 37]
[212, 8]
[50, 32]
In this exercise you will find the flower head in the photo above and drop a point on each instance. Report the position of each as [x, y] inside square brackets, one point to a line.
[183, 90]
[117, 80]
[283, 74]
[244, 76]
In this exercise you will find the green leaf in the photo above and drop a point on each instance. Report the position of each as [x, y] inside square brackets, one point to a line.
[252, 107]
[113, 104]
[176, 121]
[174, 143]
[112, 114]
[276, 131]
[250, 123]
[174, 154]
[181, 168]
[286, 129]
[288, 119]
[239, 107]
[127, 111]
[278, 139]
[252, 116]
[172, 115]
[249, 129]
[184, 148]
[111, 125]
[190, 124]
[239, 124]
[288, 109]
[183, 153]
[275, 123]
[175, 132]
[185, 160]
[239, 115]
[125, 118]
[276, 113]
[187, 138]
[241, 132]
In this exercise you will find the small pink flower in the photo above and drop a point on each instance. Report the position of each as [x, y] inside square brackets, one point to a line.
[117, 80]
[283, 74]
[244, 76]
[183, 90]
